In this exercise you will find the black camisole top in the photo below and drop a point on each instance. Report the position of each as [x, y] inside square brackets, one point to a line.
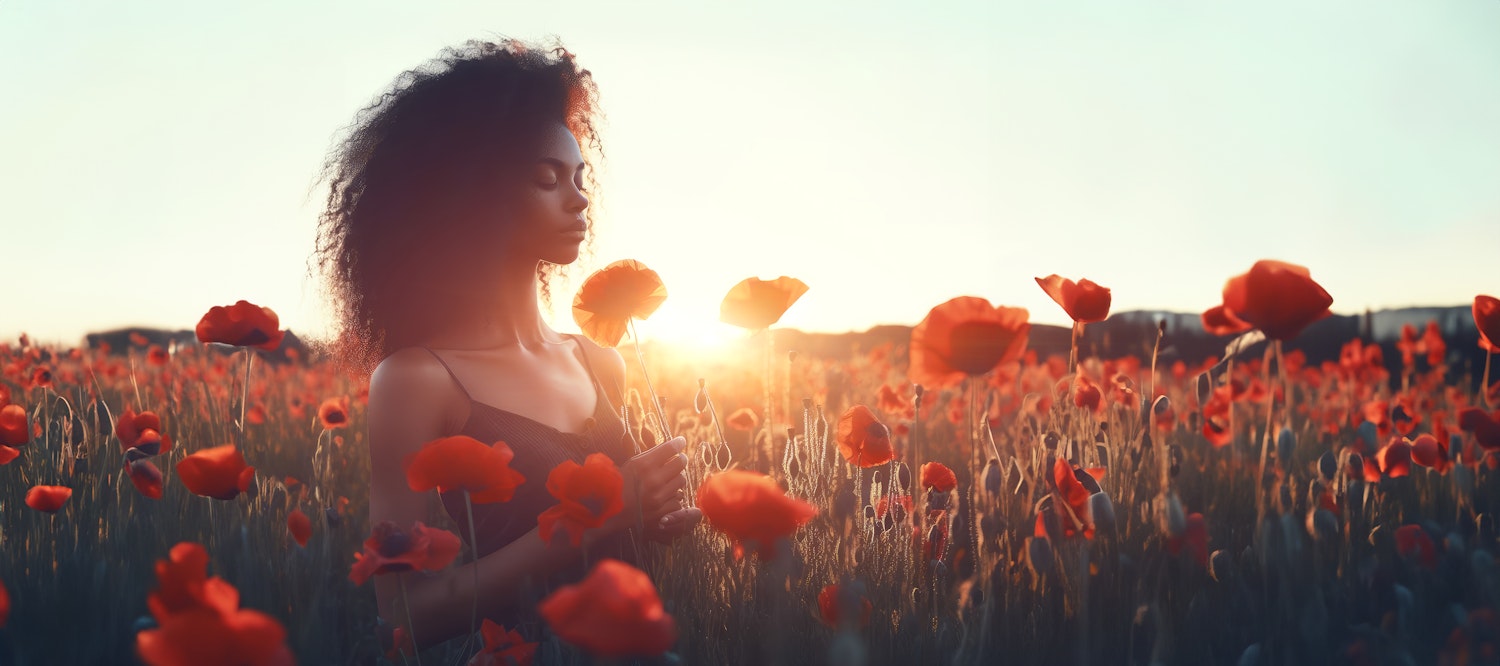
[538, 448]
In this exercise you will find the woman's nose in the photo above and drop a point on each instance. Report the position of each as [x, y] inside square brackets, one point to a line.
[578, 201]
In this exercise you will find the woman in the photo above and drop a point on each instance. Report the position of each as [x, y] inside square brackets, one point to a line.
[453, 200]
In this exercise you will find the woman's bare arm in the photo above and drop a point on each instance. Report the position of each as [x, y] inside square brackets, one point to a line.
[410, 395]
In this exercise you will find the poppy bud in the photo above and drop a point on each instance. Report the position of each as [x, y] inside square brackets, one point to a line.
[1205, 388]
[1176, 461]
[1161, 406]
[1328, 465]
[1051, 440]
[1286, 443]
[1103, 511]
[917, 391]
[700, 401]
[1220, 565]
[332, 518]
[1038, 556]
[936, 501]
[1174, 521]
[991, 477]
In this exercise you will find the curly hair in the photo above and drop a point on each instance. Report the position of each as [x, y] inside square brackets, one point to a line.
[418, 186]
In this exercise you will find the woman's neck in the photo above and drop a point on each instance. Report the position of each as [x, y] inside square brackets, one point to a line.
[512, 317]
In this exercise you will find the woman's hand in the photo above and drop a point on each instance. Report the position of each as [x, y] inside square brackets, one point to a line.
[674, 525]
[654, 488]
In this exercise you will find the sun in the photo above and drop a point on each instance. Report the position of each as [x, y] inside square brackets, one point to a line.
[696, 333]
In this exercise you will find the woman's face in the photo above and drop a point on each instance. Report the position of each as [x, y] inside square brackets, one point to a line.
[550, 223]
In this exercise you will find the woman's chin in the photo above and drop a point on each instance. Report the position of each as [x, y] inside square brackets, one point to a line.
[563, 257]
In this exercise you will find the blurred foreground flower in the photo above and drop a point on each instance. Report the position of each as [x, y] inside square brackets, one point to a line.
[750, 508]
[1276, 297]
[613, 612]
[1084, 301]
[464, 464]
[219, 472]
[392, 550]
[199, 620]
[587, 494]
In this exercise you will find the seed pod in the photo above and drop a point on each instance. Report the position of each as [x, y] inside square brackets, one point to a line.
[1328, 465]
[700, 401]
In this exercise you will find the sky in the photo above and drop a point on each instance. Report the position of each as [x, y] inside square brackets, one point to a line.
[158, 158]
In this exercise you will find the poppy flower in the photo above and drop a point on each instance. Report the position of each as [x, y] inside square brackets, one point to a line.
[863, 439]
[4, 605]
[243, 324]
[589, 494]
[1084, 301]
[334, 412]
[391, 550]
[132, 428]
[48, 498]
[1413, 542]
[1194, 537]
[146, 476]
[199, 620]
[461, 463]
[1486, 427]
[300, 526]
[502, 648]
[614, 295]
[965, 336]
[938, 476]
[1276, 297]
[832, 597]
[7, 454]
[219, 472]
[1428, 451]
[749, 507]
[756, 304]
[1216, 423]
[1074, 508]
[1394, 458]
[743, 419]
[1219, 321]
[14, 428]
[613, 612]
[1487, 320]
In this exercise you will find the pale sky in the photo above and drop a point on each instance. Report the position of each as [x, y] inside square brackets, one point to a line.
[156, 157]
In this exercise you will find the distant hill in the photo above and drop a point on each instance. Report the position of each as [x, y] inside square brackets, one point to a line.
[119, 340]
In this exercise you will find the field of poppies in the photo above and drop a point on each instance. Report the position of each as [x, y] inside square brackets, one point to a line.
[957, 499]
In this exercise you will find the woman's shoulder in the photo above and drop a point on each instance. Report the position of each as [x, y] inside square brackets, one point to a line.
[607, 362]
[411, 383]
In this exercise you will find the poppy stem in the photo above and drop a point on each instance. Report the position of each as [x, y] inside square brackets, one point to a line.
[473, 547]
[245, 393]
[410, 630]
[655, 401]
[1484, 383]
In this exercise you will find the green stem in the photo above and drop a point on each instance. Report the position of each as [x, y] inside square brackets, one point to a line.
[474, 546]
[411, 631]
[245, 393]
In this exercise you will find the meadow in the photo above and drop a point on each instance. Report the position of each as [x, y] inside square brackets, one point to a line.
[1250, 508]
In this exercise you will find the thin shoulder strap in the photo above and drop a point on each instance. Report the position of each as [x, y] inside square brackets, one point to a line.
[450, 373]
[586, 363]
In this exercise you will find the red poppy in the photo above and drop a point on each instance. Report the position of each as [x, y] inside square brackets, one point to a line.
[131, 429]
[889, 400]
[588, 495]
[749, 507]
[146, 476]
[1086, 394]
[1216, 423]
[199, 619]
[157, 356]
[965, 336]
[1219, 321]
[863, 439]
[14, 428]
[390, 550]
[1428, 451]
[300, 526]
[755, 303]
[8, 454]
[4, 605]
[1413, 542]
[1194, 536]
[459, 463]
[613, 612]
[219, 472]
[1487, 320]
[1276, 297]
[334, 412]
[243, 324]
[938, 476]
[614, 295]
[502, 648]
[1074, 509]
[743, 419]
[1486, 427]
[48, 498]
[829, 603]
[1394, 458]
[883, 504]
[1084, 301]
